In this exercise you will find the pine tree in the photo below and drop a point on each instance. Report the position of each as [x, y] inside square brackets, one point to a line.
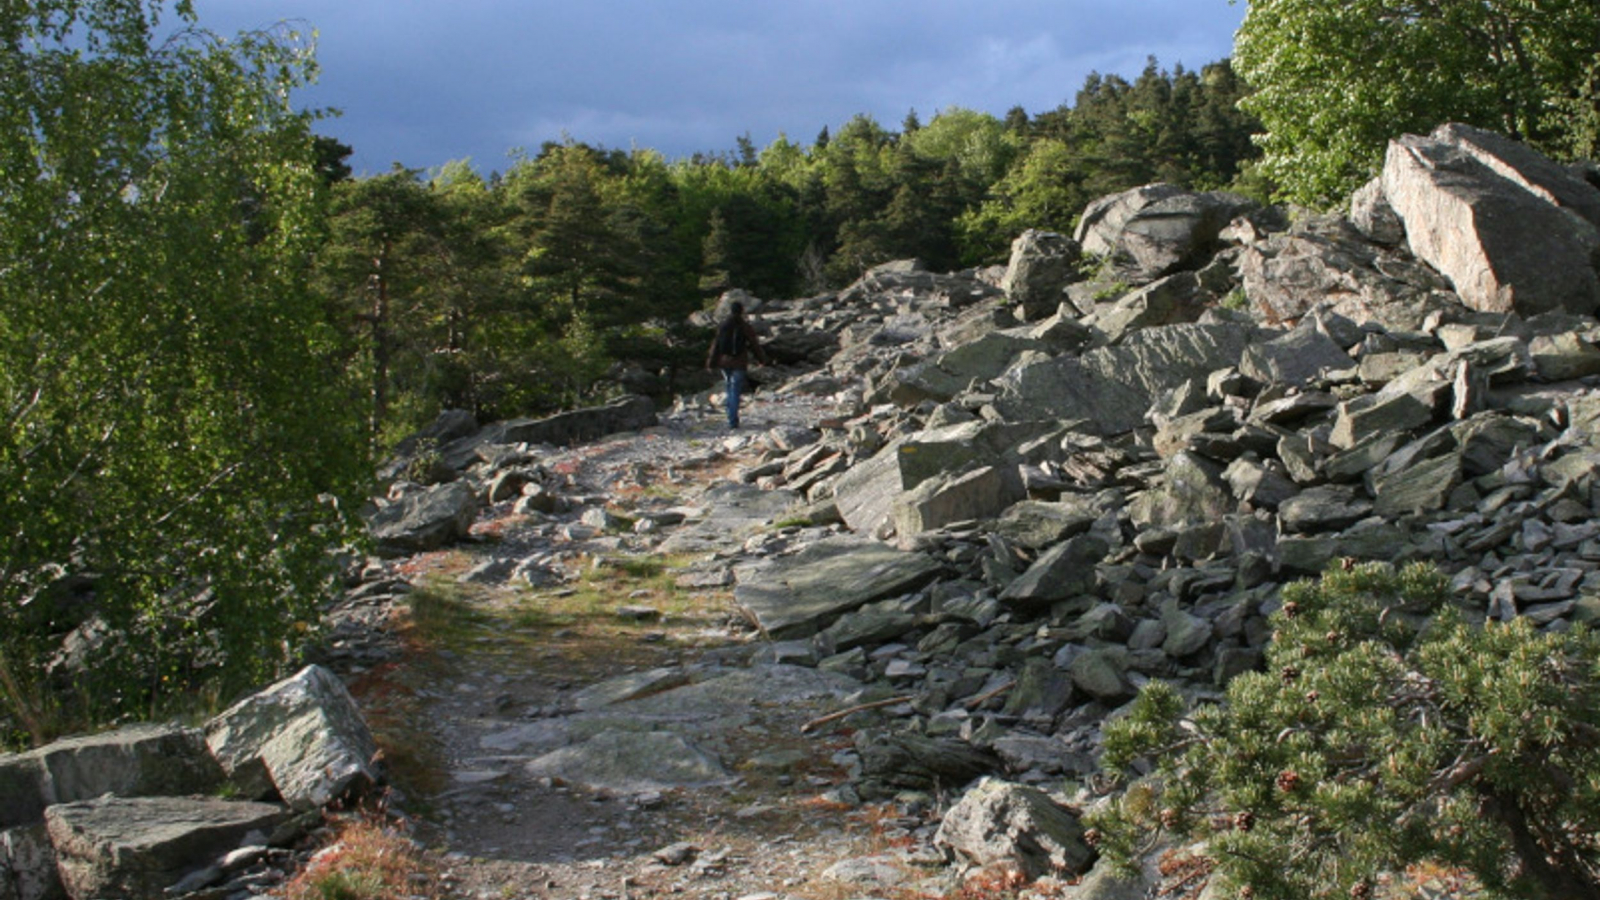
[1386, 730]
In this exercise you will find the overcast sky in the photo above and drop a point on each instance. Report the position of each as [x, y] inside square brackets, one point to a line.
[423, 82]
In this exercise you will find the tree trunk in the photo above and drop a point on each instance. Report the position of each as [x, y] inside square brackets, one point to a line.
[1556, 880]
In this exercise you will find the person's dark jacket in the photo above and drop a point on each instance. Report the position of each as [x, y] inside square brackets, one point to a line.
[752, 345]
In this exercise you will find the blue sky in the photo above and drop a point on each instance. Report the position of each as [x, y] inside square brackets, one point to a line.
[425, 81]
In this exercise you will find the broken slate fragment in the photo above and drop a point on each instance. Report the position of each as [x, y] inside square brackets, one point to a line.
[799, 595]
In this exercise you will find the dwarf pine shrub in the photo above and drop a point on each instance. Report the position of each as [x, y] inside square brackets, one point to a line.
[1387, 729]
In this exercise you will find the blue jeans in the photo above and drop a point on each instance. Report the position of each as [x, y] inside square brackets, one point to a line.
[735, 379]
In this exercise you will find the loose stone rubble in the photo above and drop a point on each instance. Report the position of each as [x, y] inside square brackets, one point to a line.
[1030, 501]
[1024, 493]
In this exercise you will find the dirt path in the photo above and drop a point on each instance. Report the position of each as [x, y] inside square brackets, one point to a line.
[494, 676]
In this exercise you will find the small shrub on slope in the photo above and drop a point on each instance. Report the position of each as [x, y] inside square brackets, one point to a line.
[1386, 730]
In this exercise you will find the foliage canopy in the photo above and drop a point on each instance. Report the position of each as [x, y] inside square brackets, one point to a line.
[174, 442]
[1335, 81]
[1386, 730]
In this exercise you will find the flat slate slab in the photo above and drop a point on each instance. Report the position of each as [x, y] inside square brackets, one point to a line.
[632, 762]
[797, 596]
[734, 511]
[135, 848]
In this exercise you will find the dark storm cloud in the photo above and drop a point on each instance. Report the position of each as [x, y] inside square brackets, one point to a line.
[425, 82]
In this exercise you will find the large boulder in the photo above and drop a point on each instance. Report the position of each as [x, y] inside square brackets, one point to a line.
[1507, 227]
[1527, 168]
[114, 848]
[1326, 262]
[892, 762]
[1113, 387]
[1158, 229]
[980, 493]
[869, 493]
[302, 739]
[1003, 825]
[425, 520]
[1042, 264]
[952, 371]
[139, 760]
[798, 595]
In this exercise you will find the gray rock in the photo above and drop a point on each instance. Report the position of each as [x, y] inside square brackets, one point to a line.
[1530, 170]
[904, 761]
[1062, 332]
[425, 520]
[1366, 417]
[1186, 633]
[1502, 246]
[1000, 824]
[1042, 264]
[1113, 387]
[303, 737]
[1372, 215]
[1305, 353]
[630, 686]
[1293, 409]
[1560, 357]
[1060, 573]
[1106, 882]
[1322, 509]
[1102, 674]
[867, 494]
[1195, 431]
[950, 372]
[631, 762]
[28, 865]
[1035, 524]
[870, 871]
[1040, 694]
[23, 786]
[137, 761]
[981, 493]
[1424, 487]
[1172, 300]
[798, 595]
[577, 426]
[1487, 441]
[1158, 229]
[1233, 662]
[1287, 275]
[1257, 485]
[1192, 490]
[134, 848]
[869, 626]
[733, 512]
[1356, 462]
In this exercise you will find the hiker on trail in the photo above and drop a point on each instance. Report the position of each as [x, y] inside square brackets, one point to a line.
[730, 352]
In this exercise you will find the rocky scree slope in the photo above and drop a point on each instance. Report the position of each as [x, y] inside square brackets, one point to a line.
[1036, 490]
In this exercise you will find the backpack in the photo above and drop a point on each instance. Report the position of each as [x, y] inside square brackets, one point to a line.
[730, 339]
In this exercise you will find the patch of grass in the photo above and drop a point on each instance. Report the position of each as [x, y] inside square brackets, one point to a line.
[400, 726]
[1236, 300]
[367, 860]
[438, 615]
[793, 522]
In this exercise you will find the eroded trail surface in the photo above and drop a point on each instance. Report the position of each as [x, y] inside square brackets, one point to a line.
[603, 723]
